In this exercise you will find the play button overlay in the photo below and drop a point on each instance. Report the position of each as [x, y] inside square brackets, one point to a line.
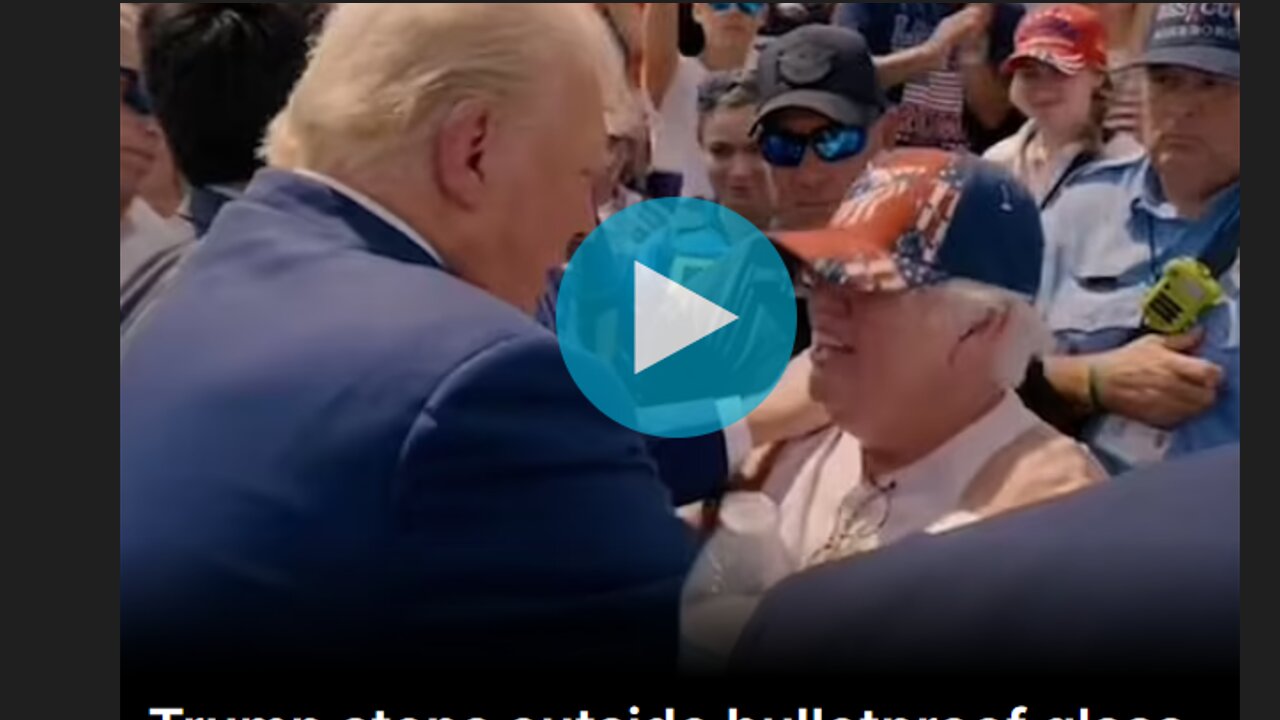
[676, 318]
[670, 318]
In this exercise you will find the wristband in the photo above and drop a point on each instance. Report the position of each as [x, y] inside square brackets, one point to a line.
[1095, 390]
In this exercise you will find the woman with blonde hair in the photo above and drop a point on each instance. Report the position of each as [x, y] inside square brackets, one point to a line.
[1061, 83]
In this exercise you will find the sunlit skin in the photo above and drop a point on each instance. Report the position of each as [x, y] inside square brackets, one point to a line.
[1193, 134]
[738, 174]
[879, 357]
[730, 36]
[139, 144]
[1061, 105]
[808, 196]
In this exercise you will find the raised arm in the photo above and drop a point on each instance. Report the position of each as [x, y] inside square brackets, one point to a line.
[661, 49]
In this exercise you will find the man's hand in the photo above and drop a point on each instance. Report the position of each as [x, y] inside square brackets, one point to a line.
[958, 29]
[1155, 382]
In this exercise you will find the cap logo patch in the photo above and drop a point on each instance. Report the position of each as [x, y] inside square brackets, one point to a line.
[801, 66]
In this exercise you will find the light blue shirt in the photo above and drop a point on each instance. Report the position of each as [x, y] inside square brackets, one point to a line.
[1109, 237]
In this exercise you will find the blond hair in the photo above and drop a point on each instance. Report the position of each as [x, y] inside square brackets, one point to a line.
[382, 74]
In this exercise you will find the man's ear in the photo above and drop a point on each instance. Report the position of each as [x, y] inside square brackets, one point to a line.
[459, 152]
[990, 327]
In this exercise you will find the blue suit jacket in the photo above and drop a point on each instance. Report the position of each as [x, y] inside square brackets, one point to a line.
[331, 449]
[1139, 575]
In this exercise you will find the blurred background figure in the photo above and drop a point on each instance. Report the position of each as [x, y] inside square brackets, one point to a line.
[672, 79]
[1059, 71]
[821, 119]
[629, 117]
[144, 233]
[782, 18]
[739, 176]
[1156, 375]
[1128, 25]
[162, 188]
[940, 63]
[217, 73]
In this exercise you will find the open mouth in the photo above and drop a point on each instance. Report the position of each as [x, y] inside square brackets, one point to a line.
[826, 347]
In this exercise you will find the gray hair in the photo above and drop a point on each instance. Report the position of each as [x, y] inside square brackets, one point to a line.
[1026, 337]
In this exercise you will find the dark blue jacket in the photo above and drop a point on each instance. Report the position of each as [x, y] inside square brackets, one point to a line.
[1139, 575]
[332, 449]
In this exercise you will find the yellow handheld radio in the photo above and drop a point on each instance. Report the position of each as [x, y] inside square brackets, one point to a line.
[1184, 294]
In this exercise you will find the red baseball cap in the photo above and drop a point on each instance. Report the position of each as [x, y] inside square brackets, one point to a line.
[1068, 37]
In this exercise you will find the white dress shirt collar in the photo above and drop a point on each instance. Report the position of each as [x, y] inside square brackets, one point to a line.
[375, 209]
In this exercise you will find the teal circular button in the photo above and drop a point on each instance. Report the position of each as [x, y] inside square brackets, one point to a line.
[676, 318]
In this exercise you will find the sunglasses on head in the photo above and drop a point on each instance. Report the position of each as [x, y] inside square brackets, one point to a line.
[752, 9]
[832, 144]
[134, 94]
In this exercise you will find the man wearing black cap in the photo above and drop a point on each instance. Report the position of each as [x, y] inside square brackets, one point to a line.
[1143, 278]
[820, 120]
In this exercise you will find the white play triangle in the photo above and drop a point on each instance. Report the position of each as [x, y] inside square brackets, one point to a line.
[670, 317]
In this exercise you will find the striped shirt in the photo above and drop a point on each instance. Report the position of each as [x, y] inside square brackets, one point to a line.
[1124, 111]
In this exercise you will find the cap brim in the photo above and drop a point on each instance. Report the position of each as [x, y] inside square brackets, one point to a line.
[866, 267]
[838, 108]
[1065, 63]
[1213, 60]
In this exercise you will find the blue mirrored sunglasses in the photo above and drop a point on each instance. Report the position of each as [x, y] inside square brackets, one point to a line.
[832, 144]
[134, 94]
[752, 9]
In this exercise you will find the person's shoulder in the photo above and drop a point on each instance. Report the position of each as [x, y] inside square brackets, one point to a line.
[1005, 153]
[1123, 150]
[1121, 163]
[1114, 177]
[1039, 466]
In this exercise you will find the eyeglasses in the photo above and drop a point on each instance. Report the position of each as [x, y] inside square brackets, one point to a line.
[752, 9]
[832, 144]
[134, 94]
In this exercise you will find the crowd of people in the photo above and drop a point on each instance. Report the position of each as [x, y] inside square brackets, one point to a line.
[346, 427]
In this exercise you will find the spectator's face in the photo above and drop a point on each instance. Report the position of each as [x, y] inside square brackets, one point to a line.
[1194, 126]
[729, 27]
[139, 143]
[738, 174]
[878, 358]
[1061, 102]
[543, 173]
[809, 195]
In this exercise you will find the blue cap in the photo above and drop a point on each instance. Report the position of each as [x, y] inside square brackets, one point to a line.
[919, 217]
[1201, 36]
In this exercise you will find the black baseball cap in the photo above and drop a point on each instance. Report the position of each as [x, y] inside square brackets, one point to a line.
[823, 68]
